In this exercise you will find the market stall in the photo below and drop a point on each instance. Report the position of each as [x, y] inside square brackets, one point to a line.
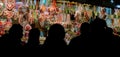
[44, 13]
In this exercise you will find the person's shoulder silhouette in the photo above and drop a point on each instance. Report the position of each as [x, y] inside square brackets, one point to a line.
[33, 41]
[55, 38]
[3, 41]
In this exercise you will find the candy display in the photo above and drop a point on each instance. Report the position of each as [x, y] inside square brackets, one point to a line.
[44, 13]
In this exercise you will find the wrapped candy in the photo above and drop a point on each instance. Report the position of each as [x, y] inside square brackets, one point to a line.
[31, 19]
[26, 34]
[1, 29]
[41, 34]
[19, 4]
[8, 24]
[28, 27]
[9, 14]
[2, 32]
[0, 24]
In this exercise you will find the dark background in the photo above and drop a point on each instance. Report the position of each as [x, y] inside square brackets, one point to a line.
[106, 3]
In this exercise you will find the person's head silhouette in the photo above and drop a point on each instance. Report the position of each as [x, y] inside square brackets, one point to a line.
[85, 28]
[55, 38]
[56, 32]
[33, 40]
[16, 31]
[98, 25]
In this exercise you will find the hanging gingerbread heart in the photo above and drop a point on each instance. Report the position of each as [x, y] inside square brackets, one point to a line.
[10, 4]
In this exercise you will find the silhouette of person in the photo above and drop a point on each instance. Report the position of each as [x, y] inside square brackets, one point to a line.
[114, 40]
[33, 41]
[110, 37]
[55, 38]
[13, 39]
[98, 37]
[80, 41]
